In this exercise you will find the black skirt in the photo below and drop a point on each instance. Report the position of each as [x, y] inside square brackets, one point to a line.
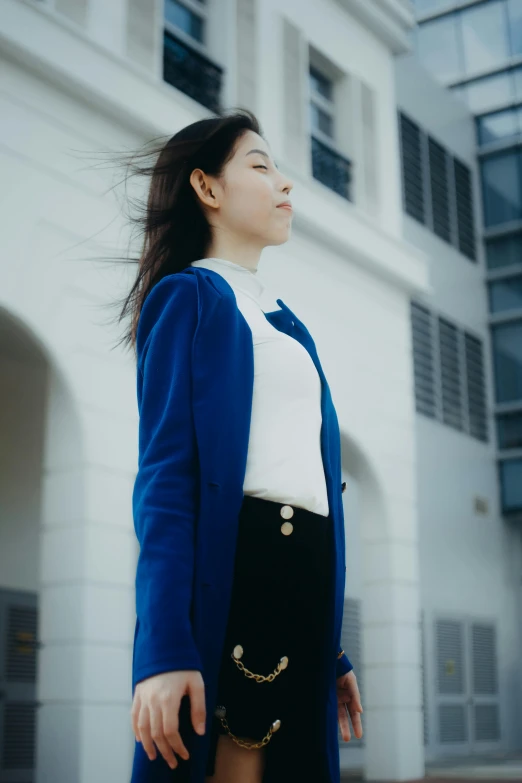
[268, 685]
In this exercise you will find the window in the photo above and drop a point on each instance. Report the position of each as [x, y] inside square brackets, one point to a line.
[507, 355]
[509, 431]
[511, 483]
[423, 360]
[505, 294]
[437, 188]
[514, 8]
[186, 63]
[484, 36]
[425, 7]
[489, 92]
[504, 251]
[498, 126]
[329, 166]
[438, 166]
[449, 373]
[438, 47]
[322, 108]
[501, 188]
[464, 205]
[412, 169]
[189, 17]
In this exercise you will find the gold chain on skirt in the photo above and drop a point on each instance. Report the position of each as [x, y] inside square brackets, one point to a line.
[245, 743]
[281, 666]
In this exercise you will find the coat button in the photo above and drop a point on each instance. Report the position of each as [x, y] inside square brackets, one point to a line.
[275, 725]
[237, 652]
[287, 512]
[286, 528]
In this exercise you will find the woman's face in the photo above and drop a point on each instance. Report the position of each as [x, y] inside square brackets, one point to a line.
[245, 201]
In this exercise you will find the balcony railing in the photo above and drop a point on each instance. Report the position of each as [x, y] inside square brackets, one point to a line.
[191, 72]
[331, 168]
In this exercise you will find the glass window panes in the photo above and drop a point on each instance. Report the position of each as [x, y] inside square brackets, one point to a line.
[484, 36]
[511, 479]
[509, 431]
[501, 188]
[321, 84]
[504, 251]
[514, 8]
[425, 7]
[507, 354]
[506, 294]
[185, 19]
[498, 126]
[517, 77]
[490, 92]
[438, 47]
[321, 120]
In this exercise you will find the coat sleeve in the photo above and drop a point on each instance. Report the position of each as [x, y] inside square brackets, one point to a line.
[343, 665]
[166, 488]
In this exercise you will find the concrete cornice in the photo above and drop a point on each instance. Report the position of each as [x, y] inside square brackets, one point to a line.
[390, 20]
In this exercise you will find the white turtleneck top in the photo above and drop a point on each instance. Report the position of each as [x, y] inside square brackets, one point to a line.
[284, 461]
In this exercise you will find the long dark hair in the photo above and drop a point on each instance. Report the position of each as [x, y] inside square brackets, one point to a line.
[173, 228]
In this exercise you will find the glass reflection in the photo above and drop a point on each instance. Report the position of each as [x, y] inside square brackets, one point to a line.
[438, 48]
[490, 92]
[501, 188]
[507, 344]
[484, 36]
[498, 126]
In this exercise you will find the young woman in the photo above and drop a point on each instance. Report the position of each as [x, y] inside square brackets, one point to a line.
[238, 674]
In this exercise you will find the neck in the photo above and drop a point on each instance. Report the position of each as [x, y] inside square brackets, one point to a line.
[246, 258]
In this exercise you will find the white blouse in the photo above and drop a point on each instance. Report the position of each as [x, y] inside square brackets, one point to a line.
[284, 461]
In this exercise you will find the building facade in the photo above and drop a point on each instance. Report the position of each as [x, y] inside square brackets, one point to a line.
[84, 76]
[470, 555]
[475, 49]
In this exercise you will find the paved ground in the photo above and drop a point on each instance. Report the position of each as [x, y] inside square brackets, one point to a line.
[496, 768]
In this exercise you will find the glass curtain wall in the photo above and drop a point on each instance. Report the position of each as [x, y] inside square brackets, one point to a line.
[475, 48]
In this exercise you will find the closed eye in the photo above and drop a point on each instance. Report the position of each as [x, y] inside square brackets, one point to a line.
[261, 167]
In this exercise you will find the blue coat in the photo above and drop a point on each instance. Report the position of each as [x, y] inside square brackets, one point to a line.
[195, 375]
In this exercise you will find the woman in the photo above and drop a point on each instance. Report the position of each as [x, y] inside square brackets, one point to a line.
[238, 676]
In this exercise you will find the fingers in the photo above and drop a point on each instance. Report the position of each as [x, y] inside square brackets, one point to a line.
[135, 711]
[344, 724]
[170, 726]
[145, 733]
[157, 725]
[165, 740]
[356, 720]
[197, 705]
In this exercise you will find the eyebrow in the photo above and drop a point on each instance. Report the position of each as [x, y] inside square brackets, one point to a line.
[262, 152]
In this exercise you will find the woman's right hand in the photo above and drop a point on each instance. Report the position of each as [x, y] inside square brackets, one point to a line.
[155, 712]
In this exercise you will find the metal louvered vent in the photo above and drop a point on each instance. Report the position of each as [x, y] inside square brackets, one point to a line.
[487, 728]
[450, 661]
[351, 642]
[412, 169]
[439, 189]
[19, 736]
[476, 390]
[484, 659]
[452, 723]
[423, 678]
[423, 360]
[450, 375]
[464, 203]
[21, 644]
